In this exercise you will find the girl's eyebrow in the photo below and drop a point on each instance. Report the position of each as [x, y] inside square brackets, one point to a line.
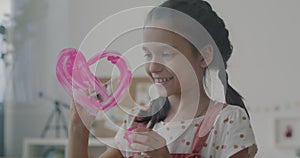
[145, 48]
[163, 47]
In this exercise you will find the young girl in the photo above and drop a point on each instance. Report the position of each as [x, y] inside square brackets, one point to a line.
[194, 119]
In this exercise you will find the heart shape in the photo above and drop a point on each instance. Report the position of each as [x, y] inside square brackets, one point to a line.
[74, 75]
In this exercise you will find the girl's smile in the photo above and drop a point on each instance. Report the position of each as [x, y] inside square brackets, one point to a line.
[171, 61]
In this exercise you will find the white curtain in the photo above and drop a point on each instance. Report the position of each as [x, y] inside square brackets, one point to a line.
[2, 80]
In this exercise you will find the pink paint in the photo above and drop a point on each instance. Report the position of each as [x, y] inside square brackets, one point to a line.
[74, 75]
[128, 132]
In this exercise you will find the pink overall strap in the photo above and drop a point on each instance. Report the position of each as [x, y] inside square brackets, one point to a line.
[205, 127]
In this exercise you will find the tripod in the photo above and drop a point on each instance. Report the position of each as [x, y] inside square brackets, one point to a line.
[58, 115]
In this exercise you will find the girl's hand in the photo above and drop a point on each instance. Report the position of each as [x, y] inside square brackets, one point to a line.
[147, 141]
[80, 118]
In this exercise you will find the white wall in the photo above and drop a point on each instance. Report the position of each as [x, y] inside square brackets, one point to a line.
[265, 38]
[263, 66]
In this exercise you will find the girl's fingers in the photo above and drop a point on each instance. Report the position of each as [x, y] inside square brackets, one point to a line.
[139, 155]
[142, 139]
[140, 147]
[150, 138]
[149, 133]
[92, 93]
[81, 115]
[99, 97]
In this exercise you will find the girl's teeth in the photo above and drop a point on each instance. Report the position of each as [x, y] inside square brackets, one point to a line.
[162, 80]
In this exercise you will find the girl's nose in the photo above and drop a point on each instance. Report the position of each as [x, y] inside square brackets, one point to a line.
[155, 67]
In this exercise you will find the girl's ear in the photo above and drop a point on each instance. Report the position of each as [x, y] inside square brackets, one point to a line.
[207, 55]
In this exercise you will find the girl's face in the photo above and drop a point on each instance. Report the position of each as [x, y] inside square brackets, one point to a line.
[171, 61]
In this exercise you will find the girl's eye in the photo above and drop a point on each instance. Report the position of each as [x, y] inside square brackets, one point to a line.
[168, 54]
[148, 56]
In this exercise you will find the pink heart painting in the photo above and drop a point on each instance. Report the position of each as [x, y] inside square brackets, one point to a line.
[74, 75]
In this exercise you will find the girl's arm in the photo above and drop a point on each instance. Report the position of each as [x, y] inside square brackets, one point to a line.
[79, 129]
[77, 142]
[78, 134]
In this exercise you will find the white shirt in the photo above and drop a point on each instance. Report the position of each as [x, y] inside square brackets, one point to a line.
[231, 133]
